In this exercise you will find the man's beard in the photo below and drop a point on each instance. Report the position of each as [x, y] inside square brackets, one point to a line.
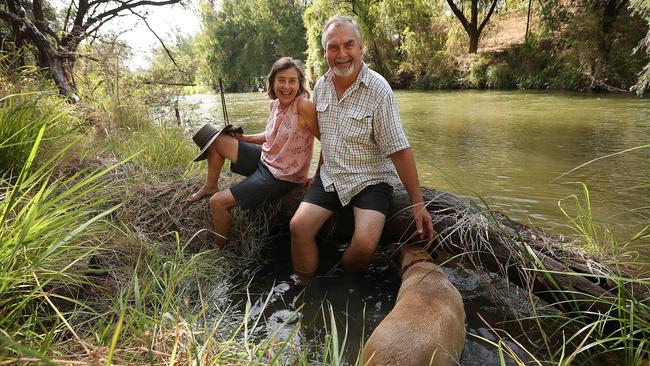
[343, 72]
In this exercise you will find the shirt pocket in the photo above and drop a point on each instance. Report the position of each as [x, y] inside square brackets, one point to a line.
[360, 125]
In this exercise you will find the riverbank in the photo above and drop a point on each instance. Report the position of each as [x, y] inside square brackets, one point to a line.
[103, 263]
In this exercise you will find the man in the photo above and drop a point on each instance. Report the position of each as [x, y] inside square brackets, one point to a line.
[362, 144]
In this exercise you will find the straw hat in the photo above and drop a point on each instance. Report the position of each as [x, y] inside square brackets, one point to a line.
[205, 137]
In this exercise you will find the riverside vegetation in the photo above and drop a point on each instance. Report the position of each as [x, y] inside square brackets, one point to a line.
[453, 44]
[90, 276]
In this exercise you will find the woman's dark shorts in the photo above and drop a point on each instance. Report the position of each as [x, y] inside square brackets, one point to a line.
[376, 197]
[260, 185]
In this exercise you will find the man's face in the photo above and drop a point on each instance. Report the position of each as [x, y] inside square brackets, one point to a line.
[343, 50]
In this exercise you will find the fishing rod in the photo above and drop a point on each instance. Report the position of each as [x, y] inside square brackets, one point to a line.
[232, 130]
[223, 104]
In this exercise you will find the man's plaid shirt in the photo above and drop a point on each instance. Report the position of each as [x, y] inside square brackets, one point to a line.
[358, 133]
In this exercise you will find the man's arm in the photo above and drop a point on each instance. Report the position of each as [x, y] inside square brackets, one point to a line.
[405, 165]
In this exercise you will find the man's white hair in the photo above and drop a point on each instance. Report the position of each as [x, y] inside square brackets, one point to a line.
[340, 20]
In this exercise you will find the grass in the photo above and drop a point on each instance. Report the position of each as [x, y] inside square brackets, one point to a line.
[23, 116]
[47, 227]
[161, 150]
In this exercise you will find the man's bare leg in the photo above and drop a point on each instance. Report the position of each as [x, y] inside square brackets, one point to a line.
[368, 225]
[224, 147]
[305, 224]
[220, 205]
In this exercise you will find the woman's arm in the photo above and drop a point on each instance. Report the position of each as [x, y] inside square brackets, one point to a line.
[258, 138]
[307, 116]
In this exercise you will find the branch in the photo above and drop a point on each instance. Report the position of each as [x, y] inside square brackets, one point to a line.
[169, 53]
[127, 6]
[459, 14]
[5, 15]
[97, 26]
[67, 16]
[153, 82]
[487, 17]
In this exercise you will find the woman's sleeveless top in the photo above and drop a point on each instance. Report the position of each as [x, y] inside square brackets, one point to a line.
[288, 149]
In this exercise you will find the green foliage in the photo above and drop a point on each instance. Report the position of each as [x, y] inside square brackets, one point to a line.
[474, 77]
[185, 68]
[441, 72]
[499, 76]
[242, 39]
[315, 15]
[22, 116]
[46, 231]
[159, 150]
[642, 8]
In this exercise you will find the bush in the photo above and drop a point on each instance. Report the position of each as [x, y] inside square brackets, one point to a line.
[499, 76]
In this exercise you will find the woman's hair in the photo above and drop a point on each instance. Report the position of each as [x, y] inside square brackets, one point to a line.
[283, 64]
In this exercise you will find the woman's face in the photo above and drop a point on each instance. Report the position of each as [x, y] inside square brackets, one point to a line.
[286, 85]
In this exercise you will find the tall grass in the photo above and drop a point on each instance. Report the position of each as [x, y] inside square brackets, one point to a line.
[21, 118]
[47, 231]
[172, 308]
[164, 150]
[619, 334]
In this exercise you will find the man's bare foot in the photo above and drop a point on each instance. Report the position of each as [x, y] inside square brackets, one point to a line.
[205, 191]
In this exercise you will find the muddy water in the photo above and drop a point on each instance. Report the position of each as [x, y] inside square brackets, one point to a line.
[290, 311]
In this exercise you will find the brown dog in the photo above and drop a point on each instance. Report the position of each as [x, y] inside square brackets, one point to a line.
[427, 324]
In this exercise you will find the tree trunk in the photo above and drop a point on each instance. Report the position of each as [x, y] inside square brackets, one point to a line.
[49, 58]
[473, 42]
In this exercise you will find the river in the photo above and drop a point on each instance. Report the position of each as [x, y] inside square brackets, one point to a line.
[511, 149]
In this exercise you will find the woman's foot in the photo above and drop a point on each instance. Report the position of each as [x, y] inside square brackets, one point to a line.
[205, 191]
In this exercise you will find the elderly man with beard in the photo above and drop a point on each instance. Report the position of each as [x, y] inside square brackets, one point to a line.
[363, 143]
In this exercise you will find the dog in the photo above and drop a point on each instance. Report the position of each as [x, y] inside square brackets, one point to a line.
[427, 324]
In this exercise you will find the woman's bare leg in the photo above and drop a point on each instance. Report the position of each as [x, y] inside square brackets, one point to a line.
[220, 205]
[224, 147]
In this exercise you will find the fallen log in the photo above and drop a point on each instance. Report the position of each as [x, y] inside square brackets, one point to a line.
[557, 271]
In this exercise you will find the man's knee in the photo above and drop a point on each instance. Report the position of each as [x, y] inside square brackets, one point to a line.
[300, 226]
[364, 246]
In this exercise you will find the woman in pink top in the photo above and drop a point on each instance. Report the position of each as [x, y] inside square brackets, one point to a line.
[277, 166]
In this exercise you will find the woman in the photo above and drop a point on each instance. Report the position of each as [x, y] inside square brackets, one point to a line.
[277, 166]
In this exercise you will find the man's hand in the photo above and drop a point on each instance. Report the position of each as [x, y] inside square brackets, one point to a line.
[423, 222]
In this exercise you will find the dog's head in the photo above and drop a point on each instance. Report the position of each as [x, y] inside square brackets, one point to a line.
[413, 254]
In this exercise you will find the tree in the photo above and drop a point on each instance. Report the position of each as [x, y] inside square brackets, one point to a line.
[54, 40]
[243, 38]
[472, 27]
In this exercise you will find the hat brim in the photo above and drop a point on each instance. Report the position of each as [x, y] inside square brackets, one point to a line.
[204, 152]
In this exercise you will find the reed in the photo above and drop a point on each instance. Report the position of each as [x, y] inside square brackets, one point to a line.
[163, 150]
[48, 229]
[22, 116]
